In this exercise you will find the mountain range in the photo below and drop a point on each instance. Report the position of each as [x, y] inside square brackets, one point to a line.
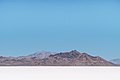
[72, 58]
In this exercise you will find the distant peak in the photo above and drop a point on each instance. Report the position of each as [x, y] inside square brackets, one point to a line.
[75, 51]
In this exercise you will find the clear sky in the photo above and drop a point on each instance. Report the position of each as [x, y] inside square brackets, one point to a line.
[27, 26]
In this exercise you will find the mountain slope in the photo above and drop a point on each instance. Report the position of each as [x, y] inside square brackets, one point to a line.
[40, 55]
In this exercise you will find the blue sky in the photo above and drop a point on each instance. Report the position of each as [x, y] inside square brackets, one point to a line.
[62, 25]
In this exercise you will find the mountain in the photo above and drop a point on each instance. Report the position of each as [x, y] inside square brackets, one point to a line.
[115, 61]
[28, 60]
[75, 58]
[72, 58]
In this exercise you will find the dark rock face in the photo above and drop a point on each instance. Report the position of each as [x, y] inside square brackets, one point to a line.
[72, 58]
[70, 55]
[75, 58]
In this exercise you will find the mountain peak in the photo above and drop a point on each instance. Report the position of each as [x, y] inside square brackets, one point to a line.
[70, 55]
[75, 51]
[40, 54]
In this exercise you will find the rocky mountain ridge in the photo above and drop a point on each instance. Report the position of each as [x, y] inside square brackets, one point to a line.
[72, 58]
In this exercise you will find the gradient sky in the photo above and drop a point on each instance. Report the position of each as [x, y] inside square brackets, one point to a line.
[27, 26]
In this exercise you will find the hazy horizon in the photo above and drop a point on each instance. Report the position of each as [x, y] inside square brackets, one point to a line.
[58, 26]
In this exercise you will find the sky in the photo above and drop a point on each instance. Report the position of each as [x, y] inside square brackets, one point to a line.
[28, 26]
